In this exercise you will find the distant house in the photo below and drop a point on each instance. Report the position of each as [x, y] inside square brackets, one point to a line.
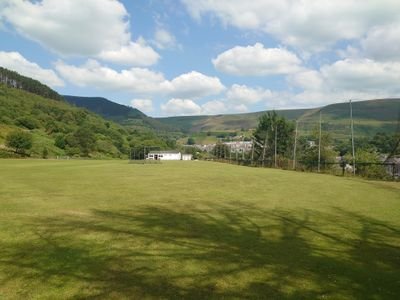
[187, 156]
[168, 155]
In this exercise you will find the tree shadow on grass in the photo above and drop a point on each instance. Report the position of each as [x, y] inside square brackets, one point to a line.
[221, 251]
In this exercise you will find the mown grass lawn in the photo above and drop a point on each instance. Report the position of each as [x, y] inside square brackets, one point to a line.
[194, 230]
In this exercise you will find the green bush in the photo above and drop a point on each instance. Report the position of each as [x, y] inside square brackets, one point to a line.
[19, 140]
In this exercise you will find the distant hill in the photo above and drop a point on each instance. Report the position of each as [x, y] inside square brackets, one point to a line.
[231, 122]
[370, 117]
[122, 114]
[15, 80]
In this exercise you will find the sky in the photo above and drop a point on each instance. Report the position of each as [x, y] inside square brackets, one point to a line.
[196, 57]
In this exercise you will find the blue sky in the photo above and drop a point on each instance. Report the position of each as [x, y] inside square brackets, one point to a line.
[190, 57]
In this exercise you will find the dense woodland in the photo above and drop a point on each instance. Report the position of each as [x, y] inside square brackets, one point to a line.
[60, 129]
[15, 80]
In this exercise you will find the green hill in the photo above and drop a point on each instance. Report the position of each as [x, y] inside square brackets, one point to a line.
[370, 117]
[58, 127]
[15, 80]
[218, 123]
[122, 114]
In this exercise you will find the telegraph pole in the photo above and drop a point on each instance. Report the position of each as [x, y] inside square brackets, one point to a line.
[276, 142]
[352, 138]
[264, 149]
[295, 146]
[319, 142]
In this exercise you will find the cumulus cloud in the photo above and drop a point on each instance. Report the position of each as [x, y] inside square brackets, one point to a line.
[136, 54]
[214, 107]
[242, 94]
[383, 42]
[357, 78]
[195, 85]
[257, 61]
[181, 107]
[307, 79]
[145, 105]
[308, 24]
[16, 62]
[141, 81]
[96, 28]
[93, 74]
[362, 75]
[163, 39]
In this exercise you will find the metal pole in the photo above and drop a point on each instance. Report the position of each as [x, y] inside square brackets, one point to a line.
[352, 138]
[252, 150]
[276, 139]
[264, 149]
[295, 146]
[319, 142]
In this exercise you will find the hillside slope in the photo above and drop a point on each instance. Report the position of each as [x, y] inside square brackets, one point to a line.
[122, 114]
[369, 117]
[231, 122]
[15, 80]
[58, 127]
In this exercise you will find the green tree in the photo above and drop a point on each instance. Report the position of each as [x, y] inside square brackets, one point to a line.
[308, 150]
[191, 141]
[86, 140]
[270, 124]
[45, 153]
[19, 140]
[60, 141]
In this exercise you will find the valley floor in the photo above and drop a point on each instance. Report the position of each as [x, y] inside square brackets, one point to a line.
[195, 230]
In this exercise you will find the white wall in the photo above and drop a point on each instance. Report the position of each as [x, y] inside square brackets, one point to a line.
[166, 156]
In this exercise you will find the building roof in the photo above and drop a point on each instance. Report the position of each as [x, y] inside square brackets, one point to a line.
[164, 152]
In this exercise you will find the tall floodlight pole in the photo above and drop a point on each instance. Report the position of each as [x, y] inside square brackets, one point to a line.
[295, 146]
[276, 143]
[252, 150]
[319, 142]
[352, 137]
[265, 148]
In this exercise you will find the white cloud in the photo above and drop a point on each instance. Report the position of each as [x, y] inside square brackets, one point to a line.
[93, 74]
[242, 94]
[163, 39]
[16, 62]
[195, 85]
[95, 28]
[343, 80]
[383, 42]
[136, 54]
[214, 107]
[362, 75]
[181, 107]
[145, 105]
[141, 81]
[257, 61]
[308, 24]
[307, 79]
[71, 27]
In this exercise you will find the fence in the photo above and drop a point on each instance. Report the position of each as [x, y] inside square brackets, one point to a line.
[373, 170]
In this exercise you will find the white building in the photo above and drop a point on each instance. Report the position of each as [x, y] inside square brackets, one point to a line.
[168, 155]
[187, 156]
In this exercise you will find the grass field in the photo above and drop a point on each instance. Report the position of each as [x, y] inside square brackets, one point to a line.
[194, 230]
